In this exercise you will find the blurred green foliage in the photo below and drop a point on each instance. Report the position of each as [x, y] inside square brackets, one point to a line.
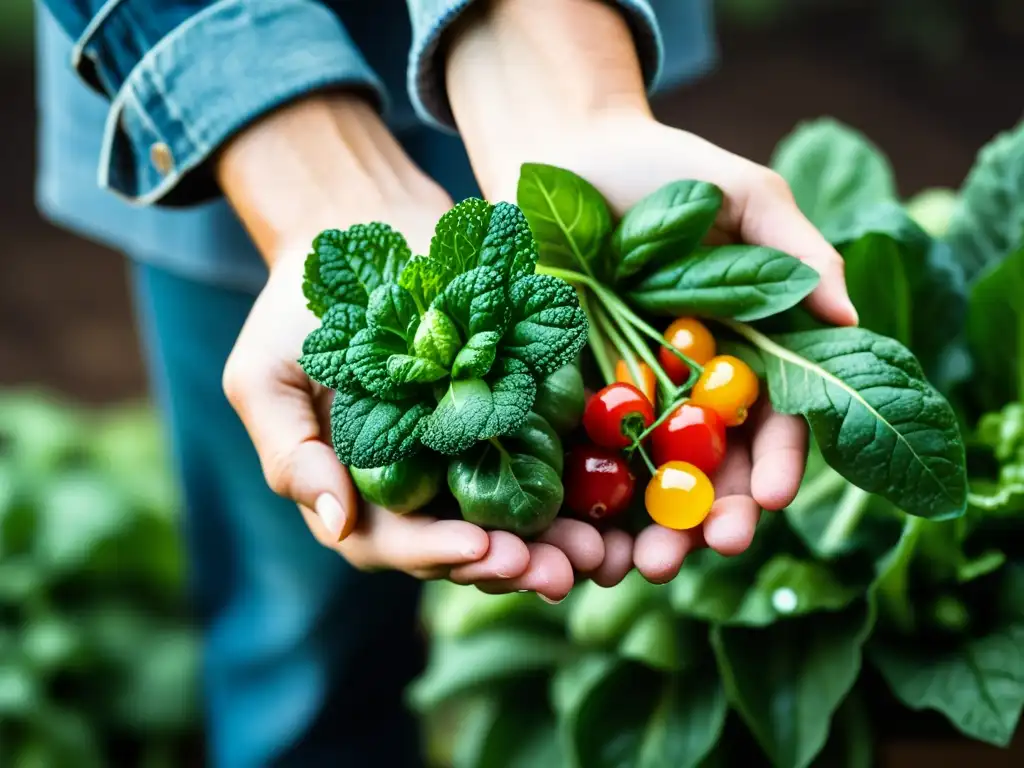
[98, 664]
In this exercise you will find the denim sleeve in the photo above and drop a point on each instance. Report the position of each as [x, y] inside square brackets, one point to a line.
[430, 19]
[183, 76]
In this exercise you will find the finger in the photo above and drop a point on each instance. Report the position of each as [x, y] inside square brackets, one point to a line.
[581, 543]
[733, 475]
[659, 552]
[618, 558]
[506, 558]
[729, 527]
[779, 453]
[549, 575]
[772, 218]
[411, 543]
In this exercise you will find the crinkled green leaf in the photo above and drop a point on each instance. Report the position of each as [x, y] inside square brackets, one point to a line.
[405, 369]
[459, 236]
[424, 278]
[508, 245]
[665, 225]
[744, 282]
[367, 358]
[323, 351]
[477, 356]
[368, 433]
[391, 310]
[476, 301]
[436, 338]
[547, 327]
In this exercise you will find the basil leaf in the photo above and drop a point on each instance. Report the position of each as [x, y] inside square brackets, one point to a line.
[369, 433]
[513, 492]
[547, 326]
[786, 680]
[436, 338]
[877, 421]
[408, 369]
[475, 300]
[476, 358]
[367, 359]
[347, 266]
[988, 221]
[666, 224]
[568, 216]
[391, 310]
[473, 410]
[995, 332]
[509, 246]
[832, 169]
[744, 282]
[323, 357]
[561, 399]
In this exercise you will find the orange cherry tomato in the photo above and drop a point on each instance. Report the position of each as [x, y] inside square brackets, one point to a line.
[727, 386]
[649, 385]
[679, 496]
[691, 337]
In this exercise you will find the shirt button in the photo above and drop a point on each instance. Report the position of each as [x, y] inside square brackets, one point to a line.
[161, 158]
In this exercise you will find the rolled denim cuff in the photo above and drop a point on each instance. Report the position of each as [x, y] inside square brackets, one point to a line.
[205, 79]
[430, 19]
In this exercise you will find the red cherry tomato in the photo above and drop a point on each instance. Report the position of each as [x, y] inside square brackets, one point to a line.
[691, 337]
[693, 434]
[598, 482]
[615, 413]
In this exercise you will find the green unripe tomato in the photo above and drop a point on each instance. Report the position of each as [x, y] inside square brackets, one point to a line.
[560, 399]
[402, 487]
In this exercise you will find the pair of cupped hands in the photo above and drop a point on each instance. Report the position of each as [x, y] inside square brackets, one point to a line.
[287, 415]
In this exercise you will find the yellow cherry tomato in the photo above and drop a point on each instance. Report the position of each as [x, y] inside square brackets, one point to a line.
[728, 387]
[679, 496]
[691, 337]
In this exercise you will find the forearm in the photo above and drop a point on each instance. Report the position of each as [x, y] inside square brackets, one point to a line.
[325, 161]
[524, 76]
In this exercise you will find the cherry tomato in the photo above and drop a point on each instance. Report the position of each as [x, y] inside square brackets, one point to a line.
[727, 386]
[649, 385]
[679, 496]
[693, 434]
[691, 337]
[616, 412]
[598, 482]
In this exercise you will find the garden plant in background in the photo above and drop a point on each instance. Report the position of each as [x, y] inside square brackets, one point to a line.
[98, 665]
[888, 583]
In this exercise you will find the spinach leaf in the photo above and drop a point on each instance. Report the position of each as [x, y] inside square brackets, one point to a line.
[348, 266]
[560, 398]
[671, 720]
[477, 356]
[436, 338]
[409, 369]
[323, 351]
[668, 223]
[988, 221]
[473, 410]
[832, 169]
[786, 680]
[744, 282]
[515, 492]
[569, 217]
[476, 301]
[368, 433]
[459, 236]
[367, 358]
[547, 327]
[601, 617]
[876, 419]
[391, 310]
[995, 332]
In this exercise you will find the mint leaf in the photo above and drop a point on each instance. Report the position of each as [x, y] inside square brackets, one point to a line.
[547, 326]
[744, 282]
[988, 221]
[475, 300]
[323, 357]
[404, 369]
[347, 266]
[477, 356]
[436, 338]
[878, 422]
[995, 332]
[424, 278]
[474, 409]
[459, 236]
[509, 246]
[369, 433]
[568, 216]
[832, 169]
[391, 310]
[367, 358]
[665, 225]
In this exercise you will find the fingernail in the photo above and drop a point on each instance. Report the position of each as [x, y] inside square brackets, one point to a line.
[549, 601]
[331, 514]
[853, 313]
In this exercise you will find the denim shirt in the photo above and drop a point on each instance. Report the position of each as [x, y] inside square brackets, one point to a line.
[136, 95]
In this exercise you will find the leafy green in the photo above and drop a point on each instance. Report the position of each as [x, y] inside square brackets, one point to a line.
[408, 369]
[876, 419]
[988, 221]
[369, 433]
[476, 301]
[366, 358]
[547, 328]
[995, 331]
[436, 338]
[744, 282]
[568, 216]
[666, 224]
[600, 616]
[477, 356]
[560, 398]
[538, 438]
[401, 487]
[510, 729]
[391, 310]
[832, 169]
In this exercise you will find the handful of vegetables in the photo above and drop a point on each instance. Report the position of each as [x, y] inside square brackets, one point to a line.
[464, 363]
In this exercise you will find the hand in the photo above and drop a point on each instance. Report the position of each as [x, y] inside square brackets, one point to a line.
[287, 415]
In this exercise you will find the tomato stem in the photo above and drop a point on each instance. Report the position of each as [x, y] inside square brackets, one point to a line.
[647, 459]
[669, 410]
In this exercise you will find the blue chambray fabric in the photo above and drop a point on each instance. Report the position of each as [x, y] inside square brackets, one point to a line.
[120, 77]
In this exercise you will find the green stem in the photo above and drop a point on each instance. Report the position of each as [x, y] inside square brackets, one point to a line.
[648, 357]
[848, 513]
[597, 344]
[661, 419]
[647, 459]
[621, 347]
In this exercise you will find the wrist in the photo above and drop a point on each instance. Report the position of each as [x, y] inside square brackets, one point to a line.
[527, 78]
[324, 161]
